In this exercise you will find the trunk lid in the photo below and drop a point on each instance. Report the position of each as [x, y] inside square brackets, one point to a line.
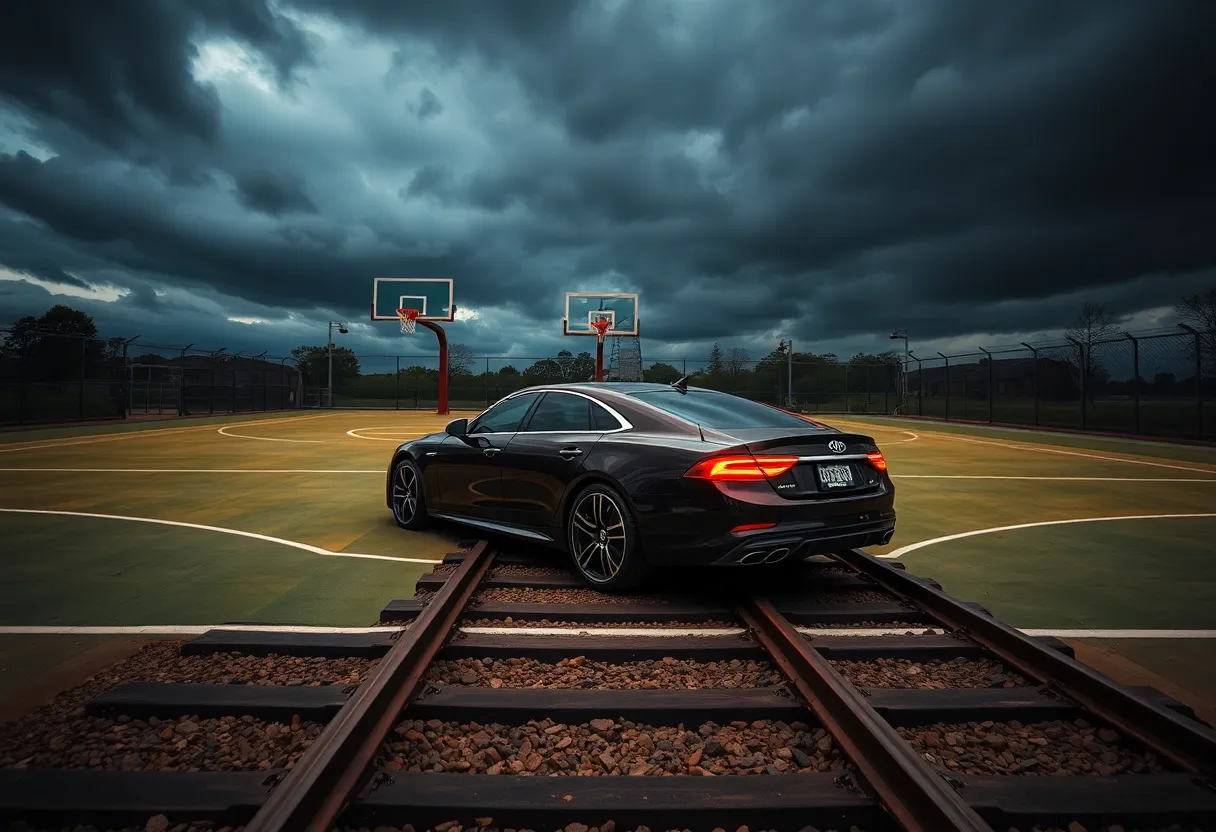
[831, 463]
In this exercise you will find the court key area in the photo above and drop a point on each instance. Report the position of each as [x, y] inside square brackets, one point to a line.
[114, 534]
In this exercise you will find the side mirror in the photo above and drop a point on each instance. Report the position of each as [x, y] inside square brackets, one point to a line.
[457, 427]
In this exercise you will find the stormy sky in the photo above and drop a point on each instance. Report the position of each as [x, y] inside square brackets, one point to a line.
[234, 173]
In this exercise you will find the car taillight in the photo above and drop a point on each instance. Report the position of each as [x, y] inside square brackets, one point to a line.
[751, 527]
[877, 460]
[741, 468]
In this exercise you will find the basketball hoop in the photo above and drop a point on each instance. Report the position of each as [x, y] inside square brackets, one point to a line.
[409, 319]
[601, 326]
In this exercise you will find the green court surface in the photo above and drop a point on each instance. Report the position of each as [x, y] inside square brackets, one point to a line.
[307, 491]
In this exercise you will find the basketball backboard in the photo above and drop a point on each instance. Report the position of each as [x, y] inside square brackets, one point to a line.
[582, 308]
[431, 296]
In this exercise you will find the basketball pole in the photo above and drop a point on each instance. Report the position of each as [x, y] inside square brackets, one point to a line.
[599, 358]
[442, 408]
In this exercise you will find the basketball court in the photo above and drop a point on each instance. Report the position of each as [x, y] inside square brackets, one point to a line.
[141, 529]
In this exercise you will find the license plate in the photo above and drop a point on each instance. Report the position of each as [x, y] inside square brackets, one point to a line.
[836, 476]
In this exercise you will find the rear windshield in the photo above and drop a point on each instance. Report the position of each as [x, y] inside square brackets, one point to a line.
[721, 411]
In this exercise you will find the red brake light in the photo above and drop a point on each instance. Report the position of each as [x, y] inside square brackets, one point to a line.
[741, 468]
[877, 460]
[751, 527]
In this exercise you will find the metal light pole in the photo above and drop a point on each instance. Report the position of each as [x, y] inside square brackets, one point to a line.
[896, 336]
[341, 330]
[787, 347]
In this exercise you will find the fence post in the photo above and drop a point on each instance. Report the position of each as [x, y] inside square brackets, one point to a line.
[1135, 379]
[397, 384]
[991, 386]
[946, 358]
[1034, 379]
[1198, 375]
[487, 381]
[81, 392]
[846, 389]
[21, 381]
[920, 388]
[282, 383]
[1084, 373]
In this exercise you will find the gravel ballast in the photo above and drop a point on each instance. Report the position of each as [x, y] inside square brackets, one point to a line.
[935, 674]
[1055, 747]
[601, 625]
[606, 826]
[529, 572]
[529, 595]
[185, 744]
[291, 671]
[578, 672]
[844, 596]
[610, 747]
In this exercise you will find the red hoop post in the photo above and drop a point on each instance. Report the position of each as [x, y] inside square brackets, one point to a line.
[601, 327]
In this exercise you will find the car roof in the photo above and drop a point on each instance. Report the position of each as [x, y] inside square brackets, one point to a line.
[612, 386]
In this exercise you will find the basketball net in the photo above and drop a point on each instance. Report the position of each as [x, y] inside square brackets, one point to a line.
[601, 326]
[409, 319]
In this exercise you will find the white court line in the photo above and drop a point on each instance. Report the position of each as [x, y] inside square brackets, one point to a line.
[204, 471]
[185, 629]
[912, 547]
[304, 547]
[1040, 449]
[1053, 479]
[224, 432]
[68, 441]
[1123, 633]
[403, 435]
[654, 632]
[915, 436]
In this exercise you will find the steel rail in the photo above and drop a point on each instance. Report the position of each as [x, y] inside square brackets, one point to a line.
[914, 794]
[1188, 743]
[311, 796]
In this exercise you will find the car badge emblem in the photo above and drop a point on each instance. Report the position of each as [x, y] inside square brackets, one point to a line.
[836, 446]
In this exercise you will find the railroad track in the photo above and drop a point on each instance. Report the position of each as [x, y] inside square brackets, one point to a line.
[506, 696]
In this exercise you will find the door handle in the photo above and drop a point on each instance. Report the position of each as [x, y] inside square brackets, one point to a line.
[491, 451]
[570, 453]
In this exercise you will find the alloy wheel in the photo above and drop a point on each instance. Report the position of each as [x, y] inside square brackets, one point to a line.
[405, 493]
[597, 537]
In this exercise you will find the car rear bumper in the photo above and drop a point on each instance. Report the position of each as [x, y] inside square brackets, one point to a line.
[783, 542]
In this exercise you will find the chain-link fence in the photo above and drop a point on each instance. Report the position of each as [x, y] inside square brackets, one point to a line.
[1156, 384]
[1159, 384]
[48, 377]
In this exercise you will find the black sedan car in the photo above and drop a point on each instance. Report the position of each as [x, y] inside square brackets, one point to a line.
[626, 477]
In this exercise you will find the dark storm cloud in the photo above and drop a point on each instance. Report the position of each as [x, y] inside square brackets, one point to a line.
[428, 105]
[274, 193]
[829, 170]
[119, 71]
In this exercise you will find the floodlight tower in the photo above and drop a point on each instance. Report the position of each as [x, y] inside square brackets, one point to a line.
[342, 330]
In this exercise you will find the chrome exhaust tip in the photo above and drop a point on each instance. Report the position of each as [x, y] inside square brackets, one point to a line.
[777, 555]
[886, 538]
[752, 558]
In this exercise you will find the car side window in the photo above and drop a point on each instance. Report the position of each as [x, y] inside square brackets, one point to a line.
[560, 412]
[601, 419]
[505, 416]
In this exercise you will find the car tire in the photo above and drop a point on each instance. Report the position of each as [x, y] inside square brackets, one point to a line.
[603, 540]
[407, 498]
